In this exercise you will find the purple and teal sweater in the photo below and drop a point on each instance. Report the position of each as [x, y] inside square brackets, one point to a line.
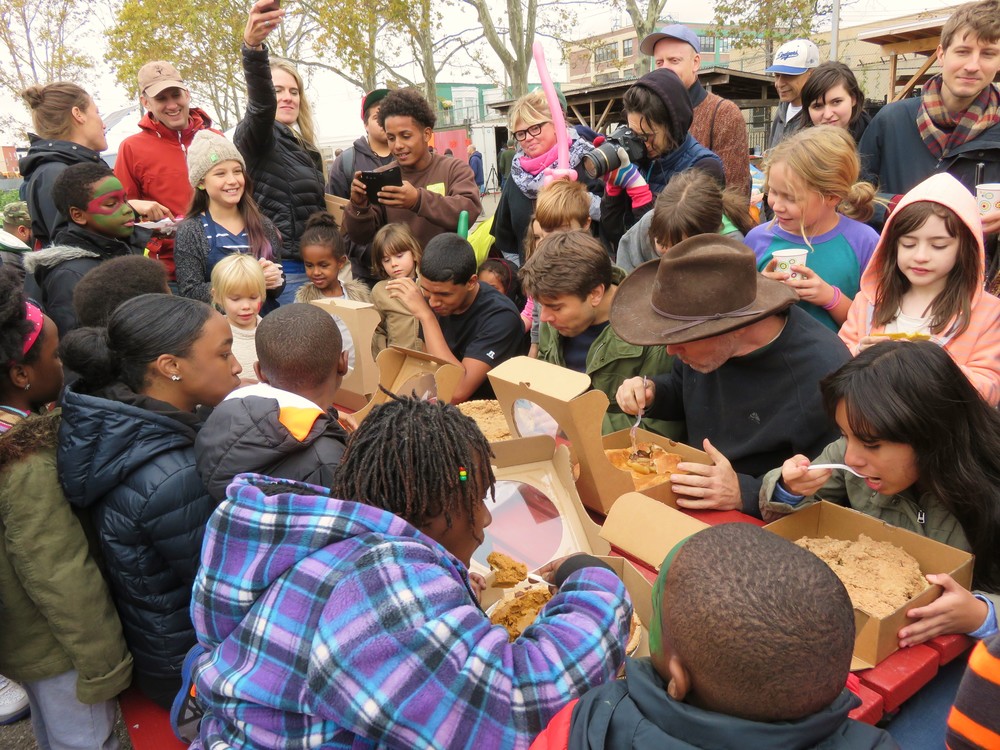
[338, 625]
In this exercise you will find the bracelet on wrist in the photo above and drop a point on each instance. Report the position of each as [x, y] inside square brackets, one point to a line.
[835, 301]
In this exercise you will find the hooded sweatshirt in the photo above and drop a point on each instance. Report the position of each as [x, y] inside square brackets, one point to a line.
[637, 714]
[261, 429]
[45, 161]
[152, 165]
[372, 636]
[977, 349]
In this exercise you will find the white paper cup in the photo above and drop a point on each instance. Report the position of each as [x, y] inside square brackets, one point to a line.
[988, 197]
[794, 256]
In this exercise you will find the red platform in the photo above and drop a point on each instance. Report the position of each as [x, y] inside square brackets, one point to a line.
[148, 725]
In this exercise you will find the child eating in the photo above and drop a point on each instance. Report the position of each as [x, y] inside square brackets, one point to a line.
[375, 636]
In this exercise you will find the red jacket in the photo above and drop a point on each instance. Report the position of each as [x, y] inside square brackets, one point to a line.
[152, 165]
[556, 735]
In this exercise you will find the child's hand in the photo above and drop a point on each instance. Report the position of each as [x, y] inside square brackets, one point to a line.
[991, 222]
[272, 273]
[810, 286]
[769, 271]
[478, 584]
[799, 479]
[955, 611]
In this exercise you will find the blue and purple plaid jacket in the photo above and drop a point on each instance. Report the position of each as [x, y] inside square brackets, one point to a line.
[331, 624]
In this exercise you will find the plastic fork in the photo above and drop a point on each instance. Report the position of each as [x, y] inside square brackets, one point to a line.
[845, 467]
[638, 418]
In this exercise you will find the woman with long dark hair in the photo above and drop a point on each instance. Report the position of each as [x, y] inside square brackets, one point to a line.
[126, 454]
[832, 96]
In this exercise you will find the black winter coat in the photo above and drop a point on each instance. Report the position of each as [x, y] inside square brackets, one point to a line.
[287, 178]
[130, 460]
[45, 161]
[245, 435]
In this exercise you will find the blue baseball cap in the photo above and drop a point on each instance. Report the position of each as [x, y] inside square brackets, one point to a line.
[795, 57]
[673, 31]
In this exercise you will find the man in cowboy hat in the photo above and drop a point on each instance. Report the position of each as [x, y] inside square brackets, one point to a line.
[747, 366]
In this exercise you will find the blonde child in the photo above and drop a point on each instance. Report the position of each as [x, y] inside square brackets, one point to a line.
[561, 206]
[395, 255]
[811, 181]
[238, 290]
[926, 280]
[692, 203]
[223, 219]
[324, 257]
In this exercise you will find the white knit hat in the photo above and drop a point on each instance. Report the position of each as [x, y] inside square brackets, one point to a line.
[206, 150]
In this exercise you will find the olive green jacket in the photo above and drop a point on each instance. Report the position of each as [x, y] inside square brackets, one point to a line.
[924, 515]
[56, 614]
[611, 361]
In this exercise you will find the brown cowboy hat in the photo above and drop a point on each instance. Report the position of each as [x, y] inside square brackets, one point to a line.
[702, 287]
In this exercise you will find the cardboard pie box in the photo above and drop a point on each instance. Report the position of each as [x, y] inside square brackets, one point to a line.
[361, 319]
[563, 397]
[539, 517]
[405, 372]
[876, 638]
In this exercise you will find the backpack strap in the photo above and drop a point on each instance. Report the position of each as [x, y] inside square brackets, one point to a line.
[347, 163]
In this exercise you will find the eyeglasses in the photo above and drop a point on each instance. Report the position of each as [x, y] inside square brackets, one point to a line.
[534, 130]
[644, 137]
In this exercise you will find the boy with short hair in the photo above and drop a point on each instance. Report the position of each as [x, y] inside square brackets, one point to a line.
[751, 646]
[285, 426]
[464, 321]
[100, 227]
[15, 239]
[573, 283]
[103, 288]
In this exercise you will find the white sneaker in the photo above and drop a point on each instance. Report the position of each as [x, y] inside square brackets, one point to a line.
[13, 702]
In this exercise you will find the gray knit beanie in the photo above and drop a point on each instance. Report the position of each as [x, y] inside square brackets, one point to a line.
[206, 150]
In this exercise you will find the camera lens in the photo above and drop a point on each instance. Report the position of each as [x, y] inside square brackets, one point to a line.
[601, 160]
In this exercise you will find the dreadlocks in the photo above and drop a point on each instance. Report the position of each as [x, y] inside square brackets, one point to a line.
[407, 457]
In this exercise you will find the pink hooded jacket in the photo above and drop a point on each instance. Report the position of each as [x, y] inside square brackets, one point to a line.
[977, 349]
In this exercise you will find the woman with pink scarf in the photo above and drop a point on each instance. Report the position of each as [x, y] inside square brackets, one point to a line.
[535, 134]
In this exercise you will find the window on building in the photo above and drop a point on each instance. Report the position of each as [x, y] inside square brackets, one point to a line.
[758, 117]
[707, 43]
[465, 103]
[606, 53]
[725, 45]
[627, 47]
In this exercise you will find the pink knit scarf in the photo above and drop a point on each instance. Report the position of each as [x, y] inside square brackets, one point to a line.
[534, 165]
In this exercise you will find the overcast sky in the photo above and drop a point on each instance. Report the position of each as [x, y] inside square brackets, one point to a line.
[336, 109]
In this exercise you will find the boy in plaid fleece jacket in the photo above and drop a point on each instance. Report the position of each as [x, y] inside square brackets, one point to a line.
[337, 624]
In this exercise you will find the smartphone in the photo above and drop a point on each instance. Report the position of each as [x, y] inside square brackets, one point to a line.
[272, 6]
[375, 181]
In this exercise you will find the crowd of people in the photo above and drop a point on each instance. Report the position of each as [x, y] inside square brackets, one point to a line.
[183, 509]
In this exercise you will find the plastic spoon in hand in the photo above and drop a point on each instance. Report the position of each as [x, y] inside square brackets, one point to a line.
[845, 467]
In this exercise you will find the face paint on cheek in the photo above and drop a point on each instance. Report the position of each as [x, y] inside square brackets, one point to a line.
[109, 209]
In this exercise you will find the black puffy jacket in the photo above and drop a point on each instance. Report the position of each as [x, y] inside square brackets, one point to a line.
[45, 161]
[247, 434]
[287, 178]
[130, 460]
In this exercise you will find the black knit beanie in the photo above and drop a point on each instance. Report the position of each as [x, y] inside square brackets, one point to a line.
[666, 85]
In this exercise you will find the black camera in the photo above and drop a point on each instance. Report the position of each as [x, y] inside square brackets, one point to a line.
[604, 158]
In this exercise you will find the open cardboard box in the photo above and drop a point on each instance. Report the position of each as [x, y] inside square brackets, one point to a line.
[405, 372]
[545, 520]
[876, 638]
[578, 411]
[361, 319]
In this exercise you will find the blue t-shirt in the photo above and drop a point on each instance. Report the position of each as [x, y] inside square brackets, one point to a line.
[838, 256]
[576, 349]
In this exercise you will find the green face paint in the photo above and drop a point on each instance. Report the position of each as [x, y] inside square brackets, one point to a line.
[108, 212]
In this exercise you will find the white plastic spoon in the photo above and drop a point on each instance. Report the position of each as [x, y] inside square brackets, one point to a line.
[845, 467]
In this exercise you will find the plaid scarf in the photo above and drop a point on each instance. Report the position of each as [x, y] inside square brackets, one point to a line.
[941, 132]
